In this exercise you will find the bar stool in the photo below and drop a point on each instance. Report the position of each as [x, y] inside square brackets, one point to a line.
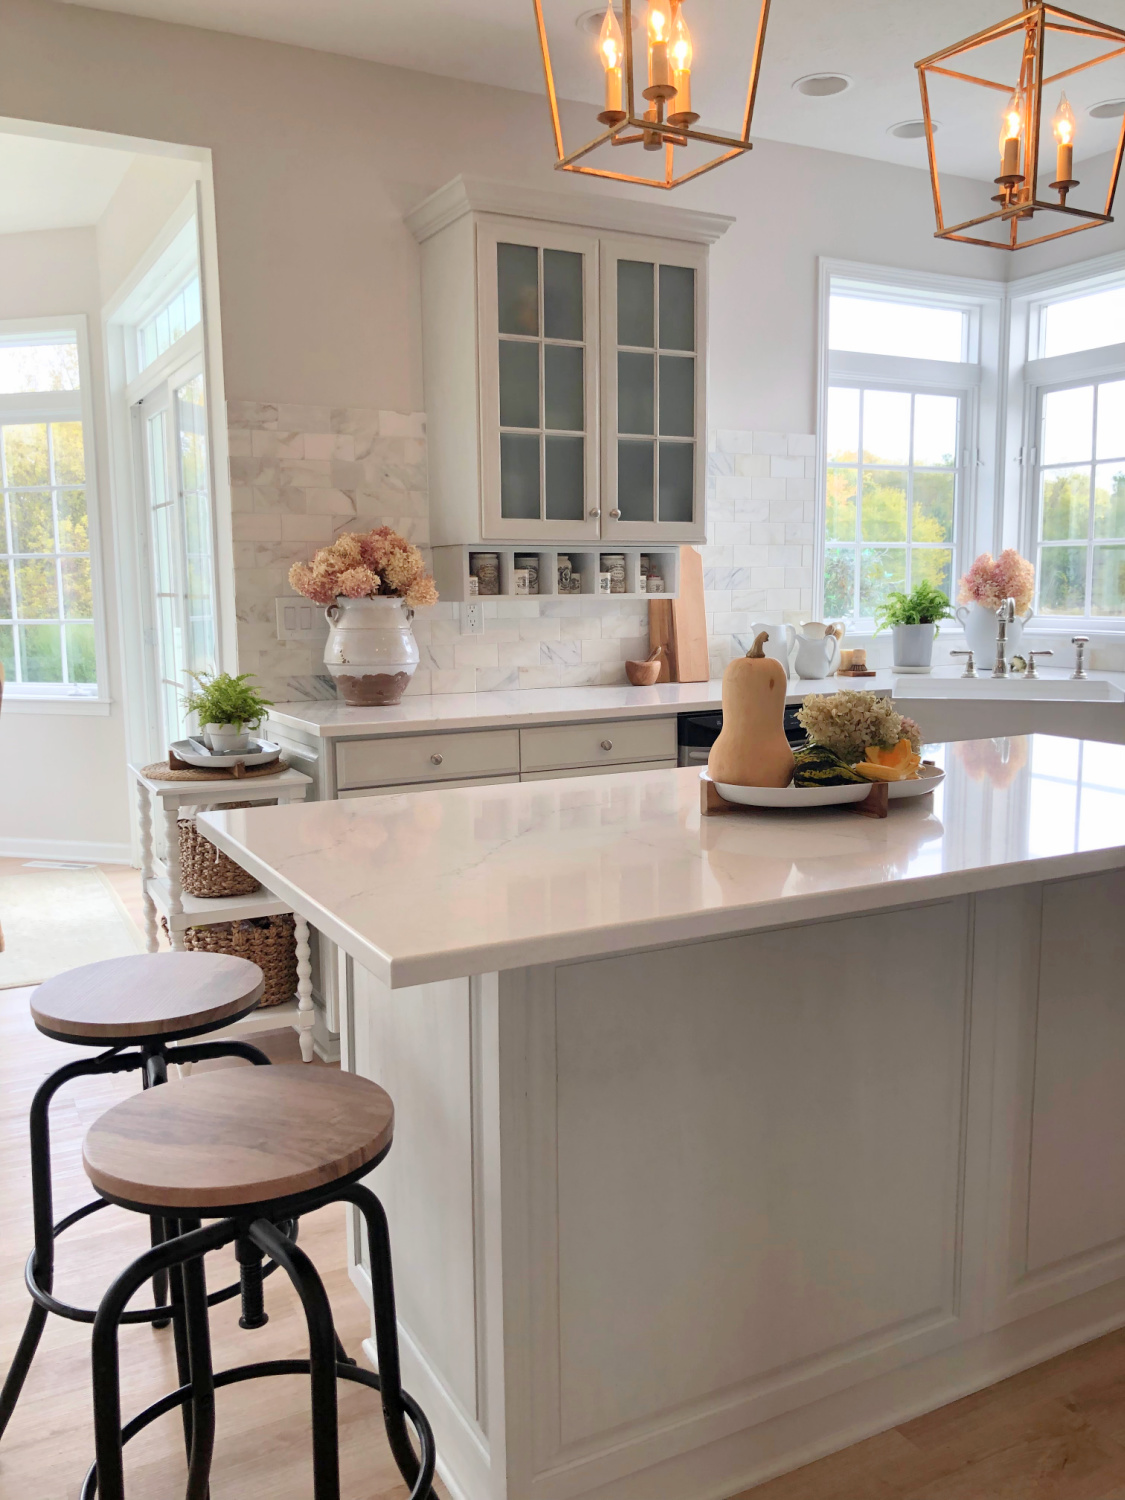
[250, 1154]
[135, 1006]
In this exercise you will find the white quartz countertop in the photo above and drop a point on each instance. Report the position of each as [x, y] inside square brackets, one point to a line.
[331, 720]
[435, 885]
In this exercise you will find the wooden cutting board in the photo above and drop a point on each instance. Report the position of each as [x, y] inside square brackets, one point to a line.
[680, 625]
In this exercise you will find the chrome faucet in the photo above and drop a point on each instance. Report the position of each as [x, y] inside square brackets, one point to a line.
[1005, 616]
[1079, 642]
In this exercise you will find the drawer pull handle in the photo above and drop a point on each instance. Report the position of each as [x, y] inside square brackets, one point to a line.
[607, 744]
[436, 760]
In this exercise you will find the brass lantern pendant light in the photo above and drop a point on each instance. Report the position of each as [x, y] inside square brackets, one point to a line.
[1019, 219]
[662, 77]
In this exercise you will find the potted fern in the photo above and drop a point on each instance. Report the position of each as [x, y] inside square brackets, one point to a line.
[227, 708]
[914, 619]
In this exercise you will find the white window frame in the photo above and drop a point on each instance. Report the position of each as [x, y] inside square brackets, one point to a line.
[1038, 375]
[977, 380]
[40, 406]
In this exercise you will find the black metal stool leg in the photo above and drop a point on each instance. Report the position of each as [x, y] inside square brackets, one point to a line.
[156, 1072]
[322, 1354]
[386, 1328]
[172, 1229]
[250, 1257]
[202, 1378]
[43, 1210]
[107, 1478]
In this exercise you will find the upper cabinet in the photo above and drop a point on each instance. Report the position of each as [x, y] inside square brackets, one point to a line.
[564, 349]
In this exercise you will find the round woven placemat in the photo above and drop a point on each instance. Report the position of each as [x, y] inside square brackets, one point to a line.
[162, 771]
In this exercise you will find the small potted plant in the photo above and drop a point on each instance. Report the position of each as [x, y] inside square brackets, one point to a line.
[227, 708]
[914, 620]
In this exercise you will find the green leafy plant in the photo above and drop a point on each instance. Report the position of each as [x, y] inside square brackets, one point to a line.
[924, 605]
[225, 699]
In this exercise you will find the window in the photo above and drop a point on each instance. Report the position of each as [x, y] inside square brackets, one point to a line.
[47, 635]
[899, 417]
[1081, 501]
[1072, 324]
[177, 316]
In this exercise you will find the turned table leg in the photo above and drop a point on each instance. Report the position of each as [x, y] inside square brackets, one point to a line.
[172, 864]
[305, 1008]
[144, 821]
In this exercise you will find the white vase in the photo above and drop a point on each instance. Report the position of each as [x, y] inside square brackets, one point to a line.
[980, 625]
[913, 645]
[782, 640]
[371, 651]
[226, 739]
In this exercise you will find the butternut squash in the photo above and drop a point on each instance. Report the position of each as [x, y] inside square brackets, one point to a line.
[751, 749]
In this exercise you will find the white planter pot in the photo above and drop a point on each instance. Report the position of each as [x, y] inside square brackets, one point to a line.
[913, 645]
[226, 739]
[371, 651]
[980, 625]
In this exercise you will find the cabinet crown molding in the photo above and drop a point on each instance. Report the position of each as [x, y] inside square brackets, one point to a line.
[469, 194]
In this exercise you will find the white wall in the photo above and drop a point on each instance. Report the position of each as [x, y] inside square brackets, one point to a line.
[62, 775]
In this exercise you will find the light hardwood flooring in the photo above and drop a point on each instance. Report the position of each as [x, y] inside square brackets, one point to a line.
[1056, 1432]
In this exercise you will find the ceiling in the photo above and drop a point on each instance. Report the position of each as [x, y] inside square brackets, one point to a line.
[47, 184]
[873, 42]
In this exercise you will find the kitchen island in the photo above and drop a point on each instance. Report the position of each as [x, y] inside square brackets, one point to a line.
[723, 1142]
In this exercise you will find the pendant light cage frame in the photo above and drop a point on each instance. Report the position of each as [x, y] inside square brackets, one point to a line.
[1019, 198]
[633, 128]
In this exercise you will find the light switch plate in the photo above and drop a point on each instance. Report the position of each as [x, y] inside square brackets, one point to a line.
[300, 620]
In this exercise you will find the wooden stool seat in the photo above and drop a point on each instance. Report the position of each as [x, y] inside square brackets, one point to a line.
[146, 995]
[228, 1139]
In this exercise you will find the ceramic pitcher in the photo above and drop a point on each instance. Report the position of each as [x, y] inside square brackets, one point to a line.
[979, 625]
[782, 640]
[371, 651]
[818, 649]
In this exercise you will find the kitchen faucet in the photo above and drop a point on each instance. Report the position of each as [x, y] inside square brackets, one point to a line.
[1005, 616]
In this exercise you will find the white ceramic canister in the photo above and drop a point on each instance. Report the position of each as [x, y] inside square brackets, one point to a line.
[371, 651]
[980, 625]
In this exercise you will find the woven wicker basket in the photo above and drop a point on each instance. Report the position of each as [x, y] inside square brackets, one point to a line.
[207, 871]
[268, 942]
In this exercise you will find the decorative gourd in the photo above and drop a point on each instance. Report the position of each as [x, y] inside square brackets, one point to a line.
[817, 766]
[751, 749]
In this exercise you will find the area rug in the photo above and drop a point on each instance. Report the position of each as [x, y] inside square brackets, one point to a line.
[56, 919]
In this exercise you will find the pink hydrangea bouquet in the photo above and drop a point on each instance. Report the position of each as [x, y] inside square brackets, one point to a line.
[990, 581]
[365, 565]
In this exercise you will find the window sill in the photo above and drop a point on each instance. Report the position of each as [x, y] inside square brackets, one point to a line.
[16, 703]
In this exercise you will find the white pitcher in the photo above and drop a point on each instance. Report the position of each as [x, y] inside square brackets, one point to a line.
[818, 649]
[782, 639]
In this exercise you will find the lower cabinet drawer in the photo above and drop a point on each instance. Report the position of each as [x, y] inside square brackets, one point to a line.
[638, 765]
[424, 786]
[402, 759]
[606, 742]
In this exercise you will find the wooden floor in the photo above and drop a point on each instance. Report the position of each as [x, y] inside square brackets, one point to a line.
[1056, 1432]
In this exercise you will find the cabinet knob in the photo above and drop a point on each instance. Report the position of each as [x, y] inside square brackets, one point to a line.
[436, 760]
[607, 744]
[616, 514]
[594, 513]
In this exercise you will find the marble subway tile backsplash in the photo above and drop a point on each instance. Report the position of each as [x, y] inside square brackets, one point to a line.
[300, 475]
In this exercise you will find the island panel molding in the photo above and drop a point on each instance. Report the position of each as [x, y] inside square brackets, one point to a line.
[301, 475]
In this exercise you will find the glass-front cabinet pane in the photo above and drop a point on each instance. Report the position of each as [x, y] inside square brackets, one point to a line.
[538, 406]
[652, 361]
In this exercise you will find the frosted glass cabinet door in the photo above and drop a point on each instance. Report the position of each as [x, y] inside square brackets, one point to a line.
[653, 298]
[538, 343]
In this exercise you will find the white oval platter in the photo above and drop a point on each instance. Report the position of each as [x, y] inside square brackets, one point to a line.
[792, 796]
[192, 753]
[928, 778]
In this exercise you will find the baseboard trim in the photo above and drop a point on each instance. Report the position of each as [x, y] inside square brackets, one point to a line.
[77, 851]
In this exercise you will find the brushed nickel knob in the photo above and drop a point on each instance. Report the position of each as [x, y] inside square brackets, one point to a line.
[436, 760]
[607, 744]
[616, 514]
[595, 513]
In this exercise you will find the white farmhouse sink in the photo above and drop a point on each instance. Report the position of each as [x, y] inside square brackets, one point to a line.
[1014, 689]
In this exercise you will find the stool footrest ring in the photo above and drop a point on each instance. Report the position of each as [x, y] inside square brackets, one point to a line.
[423, 1485]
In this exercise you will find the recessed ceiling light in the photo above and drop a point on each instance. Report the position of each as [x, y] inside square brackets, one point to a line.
[590, 21]
[822, 85]
[910, 130]
[1108, 109]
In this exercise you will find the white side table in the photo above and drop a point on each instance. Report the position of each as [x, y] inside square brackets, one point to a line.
[162, 891]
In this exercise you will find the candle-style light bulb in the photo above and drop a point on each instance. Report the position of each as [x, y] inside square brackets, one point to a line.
[1010, 131]
[680, 52]
[659, 34]
[611, 50]
[1063, 125]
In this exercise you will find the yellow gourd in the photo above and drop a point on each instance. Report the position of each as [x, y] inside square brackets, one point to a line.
[751, 749]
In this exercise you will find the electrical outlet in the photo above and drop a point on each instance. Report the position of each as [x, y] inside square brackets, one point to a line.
[300, 620]
[472, 617]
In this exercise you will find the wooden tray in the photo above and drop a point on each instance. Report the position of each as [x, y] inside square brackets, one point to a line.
[874, 805]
